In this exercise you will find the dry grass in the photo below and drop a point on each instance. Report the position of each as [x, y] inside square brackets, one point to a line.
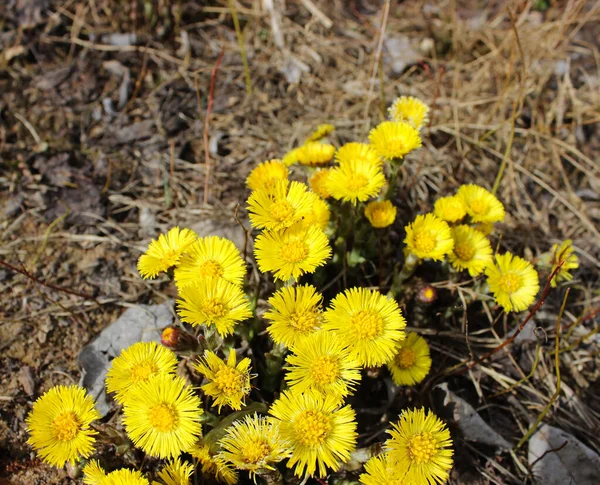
[507, 84]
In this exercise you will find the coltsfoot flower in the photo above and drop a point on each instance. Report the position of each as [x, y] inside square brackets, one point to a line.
[228, 382]
[162, 416]
[322, 364]
[291, 157]
[450, 208]
[165, 252]
[481, 205]
[93, 474]
[320, 132]
[214, 302]
[409, 109]
[315, 153]
[563, 252]
[513, 281]
[380, 213]
[266, 175]
[210, 257]
[412, 362]
[429, 237]
[176, 472]
[353, 151]
[59, 425]
[319, 183]
[420, 445]
[394, 139]
[472, 250]
[254, 444]
[293, 252]
[369, 324]
[295, 314]
[214, 465]
[136, 364]
[320, 434]
[379, 470]
[355, 180]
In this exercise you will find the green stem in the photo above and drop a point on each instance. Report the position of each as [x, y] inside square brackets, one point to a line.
[408, 269]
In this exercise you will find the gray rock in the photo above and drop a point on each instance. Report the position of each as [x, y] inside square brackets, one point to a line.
[142, 323]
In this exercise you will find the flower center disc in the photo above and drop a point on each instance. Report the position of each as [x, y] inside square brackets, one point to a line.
[142, 370]
[304, 321]
[281, 210]
[162, 417]
[210, 268]
[478, 206]
[294, 252]
[510, 282]
[215, 308]
[357, 182]
[255, 451]
[228, 380]
[421, 448]
[425, 241]
[66, 426]
[324, 370]
[312, 428]
[464, 251]
[366, 324]
[406, 358]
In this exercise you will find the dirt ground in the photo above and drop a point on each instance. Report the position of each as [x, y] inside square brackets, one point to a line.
[102, 108]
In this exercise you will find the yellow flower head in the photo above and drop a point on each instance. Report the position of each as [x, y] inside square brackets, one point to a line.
[420, 445]
[228, 383]
[319, 214]
[368, 323]
[450, 208]
[380, 470]
[59, 425]
[563, 252]
[472, 251]
[93, 474]
[513, 282]
[165, 252]
[294, 315]
[393, 139]
[353, 151]
[322, 364]
[314, 153]
[481, 205]
[321, 132]
[210, 257]
[136, 364]
[412, 362]
[162, 416]
[380, 213]
[320, 434]
[409, 109]
[429, 237]
[176, 472]
[293, 252]
[214, 302]
[214, 465]
[266, 175]
[355, 180]
[291, 157]
[319, 182]
[254, 444]
[279, 208]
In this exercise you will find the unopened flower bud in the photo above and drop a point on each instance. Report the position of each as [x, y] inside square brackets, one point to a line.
[427, 294]
[175, 338]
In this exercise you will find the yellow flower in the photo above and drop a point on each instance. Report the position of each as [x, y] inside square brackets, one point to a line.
[353, 151]
[318, 182]
[321, 132]
[291, 157]
[314, 153]
[210, 257]
[177, 472]
[295, 314]
[412, 362]
[165, 252]
[429, 237]
[380, 213]
[93, 474]
[59, 425]
[368, 323]
[266, 175]
[162, 416]
[381, 471]
[480, 204]
[293, 252]
[420, 444]
[214, 465]
[320, 434]
[472, 251]
[450, 209]
[514, 282]
[136, 364]
[319, 214]
[215, 302]
[355, 180]
[228, 383]
[411, 110]
[281, 207]
[253, 444]
[322, 364]
[393, 140]
[563, 252]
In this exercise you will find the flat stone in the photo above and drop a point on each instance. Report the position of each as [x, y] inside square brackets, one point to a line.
[142, 323]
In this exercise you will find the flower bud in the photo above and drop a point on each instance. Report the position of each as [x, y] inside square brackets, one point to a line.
[427, 294]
